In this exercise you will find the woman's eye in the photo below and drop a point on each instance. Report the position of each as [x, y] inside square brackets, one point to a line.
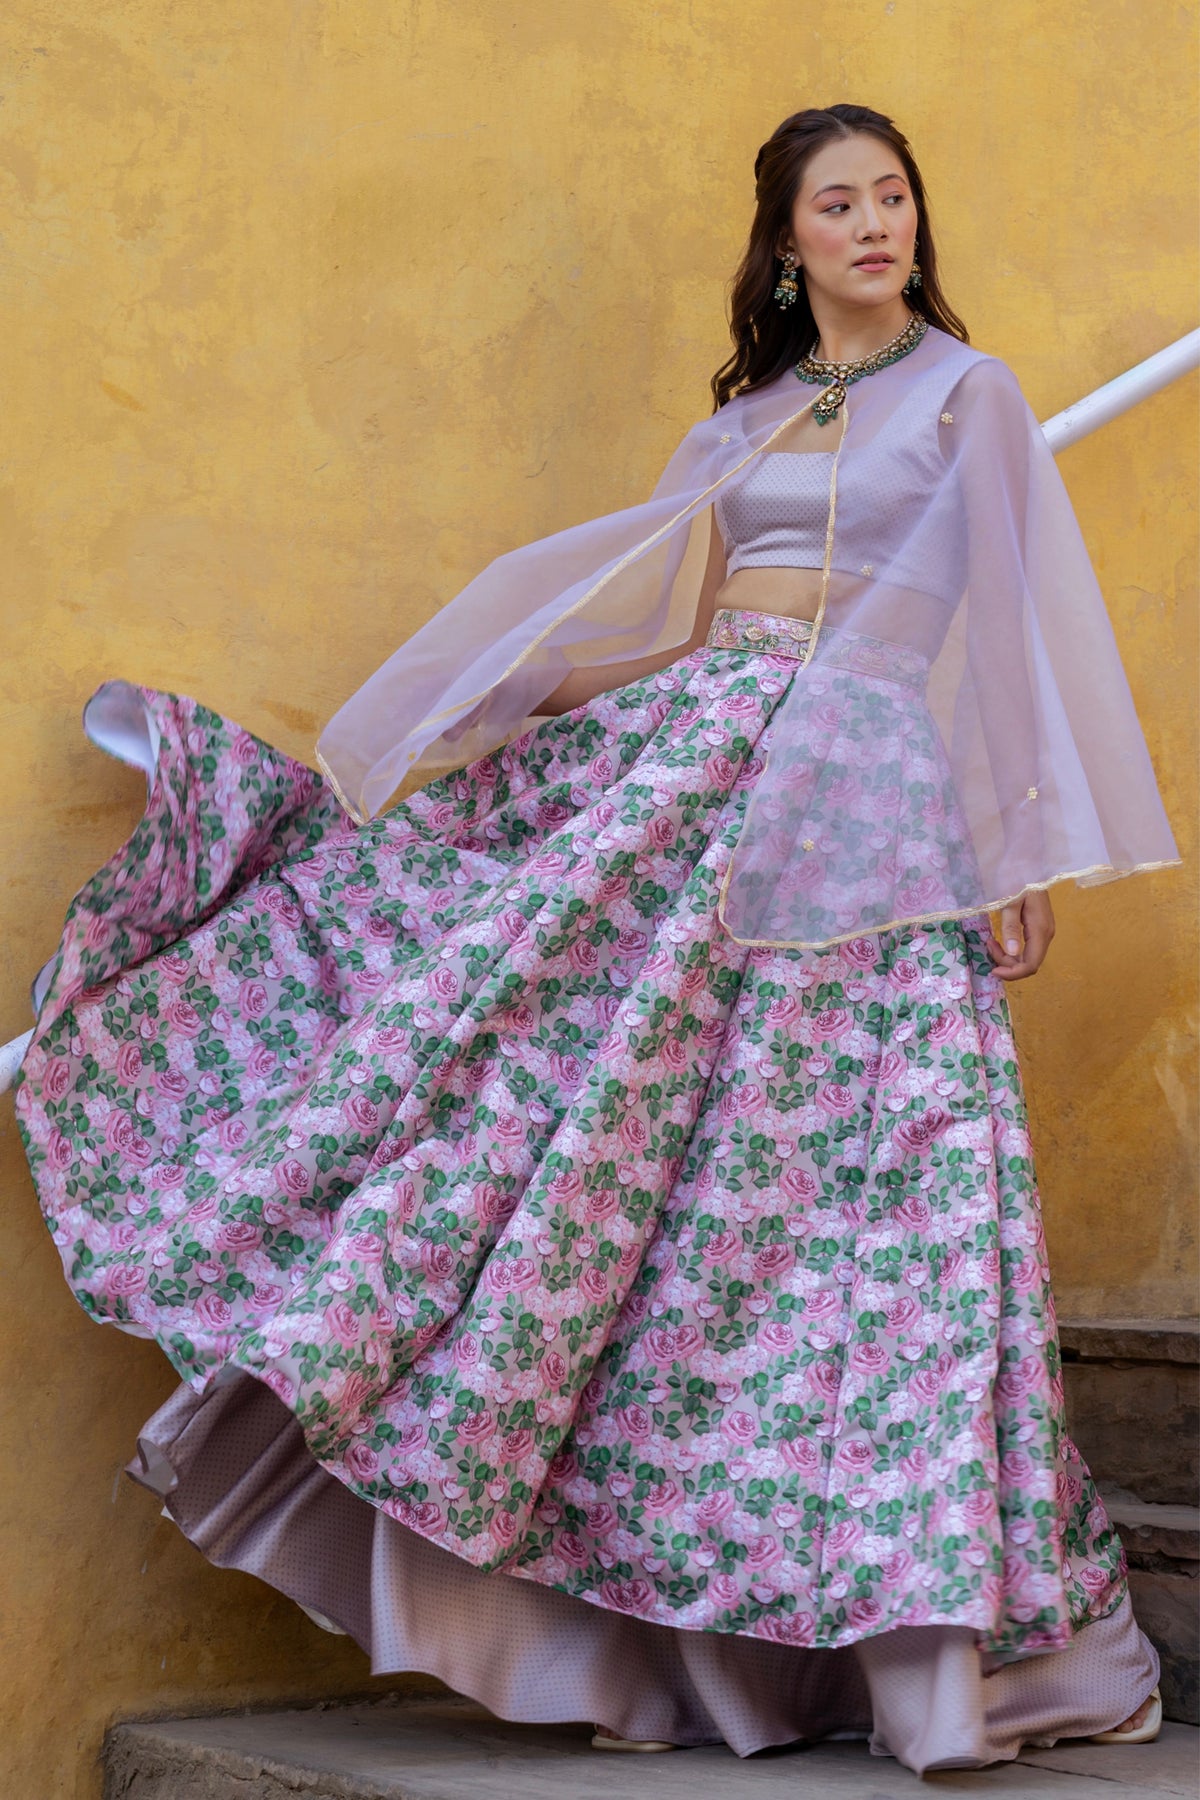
[838, 205]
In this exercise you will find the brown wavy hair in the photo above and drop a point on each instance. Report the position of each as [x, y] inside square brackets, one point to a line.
[766, 339]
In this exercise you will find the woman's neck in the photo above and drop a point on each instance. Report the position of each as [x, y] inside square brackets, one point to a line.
[849, 337]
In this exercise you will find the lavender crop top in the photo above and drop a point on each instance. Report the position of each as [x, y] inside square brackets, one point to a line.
[777, 516]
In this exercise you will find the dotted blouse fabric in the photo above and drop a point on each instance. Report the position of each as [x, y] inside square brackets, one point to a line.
[776, 515]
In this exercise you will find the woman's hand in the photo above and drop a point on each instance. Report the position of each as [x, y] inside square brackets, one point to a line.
[1032, 918]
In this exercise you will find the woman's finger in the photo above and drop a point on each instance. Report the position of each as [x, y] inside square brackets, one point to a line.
[1010, 927]
[1037, 929]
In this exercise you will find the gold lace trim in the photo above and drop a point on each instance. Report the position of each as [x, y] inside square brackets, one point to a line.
[939, 918]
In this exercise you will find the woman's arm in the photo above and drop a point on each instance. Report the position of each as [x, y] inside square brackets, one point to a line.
[583, 685]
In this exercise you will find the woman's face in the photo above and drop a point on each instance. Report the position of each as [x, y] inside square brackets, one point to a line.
[854, 202]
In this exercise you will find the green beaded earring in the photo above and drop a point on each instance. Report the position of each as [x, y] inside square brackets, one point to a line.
[785, 293]
[914, 274]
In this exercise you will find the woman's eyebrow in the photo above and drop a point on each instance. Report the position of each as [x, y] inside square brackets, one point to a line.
[851, 187]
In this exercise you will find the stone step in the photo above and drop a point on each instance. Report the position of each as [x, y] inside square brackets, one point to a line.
[1149, 1530]
[1133, 1403]
[450, 1749]
[1131, 1340]
[1162, 1545]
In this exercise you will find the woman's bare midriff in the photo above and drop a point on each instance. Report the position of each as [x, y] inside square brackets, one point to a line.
[791, 593]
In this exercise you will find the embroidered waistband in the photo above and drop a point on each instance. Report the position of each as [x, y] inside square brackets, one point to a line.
[773, 634]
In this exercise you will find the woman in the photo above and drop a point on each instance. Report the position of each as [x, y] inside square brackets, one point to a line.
[589, 1205]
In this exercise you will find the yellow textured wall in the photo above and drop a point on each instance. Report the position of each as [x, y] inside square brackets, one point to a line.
[309, 311]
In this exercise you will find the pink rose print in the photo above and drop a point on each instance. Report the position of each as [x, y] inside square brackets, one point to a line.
[184, 1018]
[438, 1261]
[593, 1285]
[504, 1527]
[917, 1134]
[294, 1178]
[763, 1553]
[172, 1082]
[772, 1261]
[665, 1345]
[843, 1539]
[854, 1456]
[721, 1246]
[602, 1203]
[796, 1628]
[58, 1077]
[233, 1133]
[902, 1313]
[491, 1204]
[661, 1499]
[344, 1324]
[362, 1461]
[869, 1359]
[123, 1139]
[635, 1596]
[239, 1235]
[253, 999]
[864, 1613]
[361, 1112]
[837, 1099]
[126, 1281]
[799, 1185]
[634, 1133]
[905, 973]
[741, 1426]
[714, 1509]
[778, 1337]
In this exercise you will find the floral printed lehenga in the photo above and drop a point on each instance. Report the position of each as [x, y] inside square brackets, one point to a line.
[566, 1299]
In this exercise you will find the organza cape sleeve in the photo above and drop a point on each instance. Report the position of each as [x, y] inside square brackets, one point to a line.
[609, 589]
[962, 730]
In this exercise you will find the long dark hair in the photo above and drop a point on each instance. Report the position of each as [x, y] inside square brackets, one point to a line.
[766, 339]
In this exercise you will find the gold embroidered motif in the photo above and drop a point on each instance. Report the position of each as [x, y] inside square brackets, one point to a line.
[947, 418]
[810, 844]
[727, 437]
[1031, 793]
[867, 569]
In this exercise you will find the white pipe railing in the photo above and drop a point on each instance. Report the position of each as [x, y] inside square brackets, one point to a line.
[1067, 427]
[1117, 396]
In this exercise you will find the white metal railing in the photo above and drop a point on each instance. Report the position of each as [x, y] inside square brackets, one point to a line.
[1118, 395]
[1067, 427]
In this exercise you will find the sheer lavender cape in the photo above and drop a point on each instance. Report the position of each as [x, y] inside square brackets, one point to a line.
[953, 562]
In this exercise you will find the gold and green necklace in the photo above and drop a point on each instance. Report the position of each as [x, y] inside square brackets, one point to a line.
[841, 374]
